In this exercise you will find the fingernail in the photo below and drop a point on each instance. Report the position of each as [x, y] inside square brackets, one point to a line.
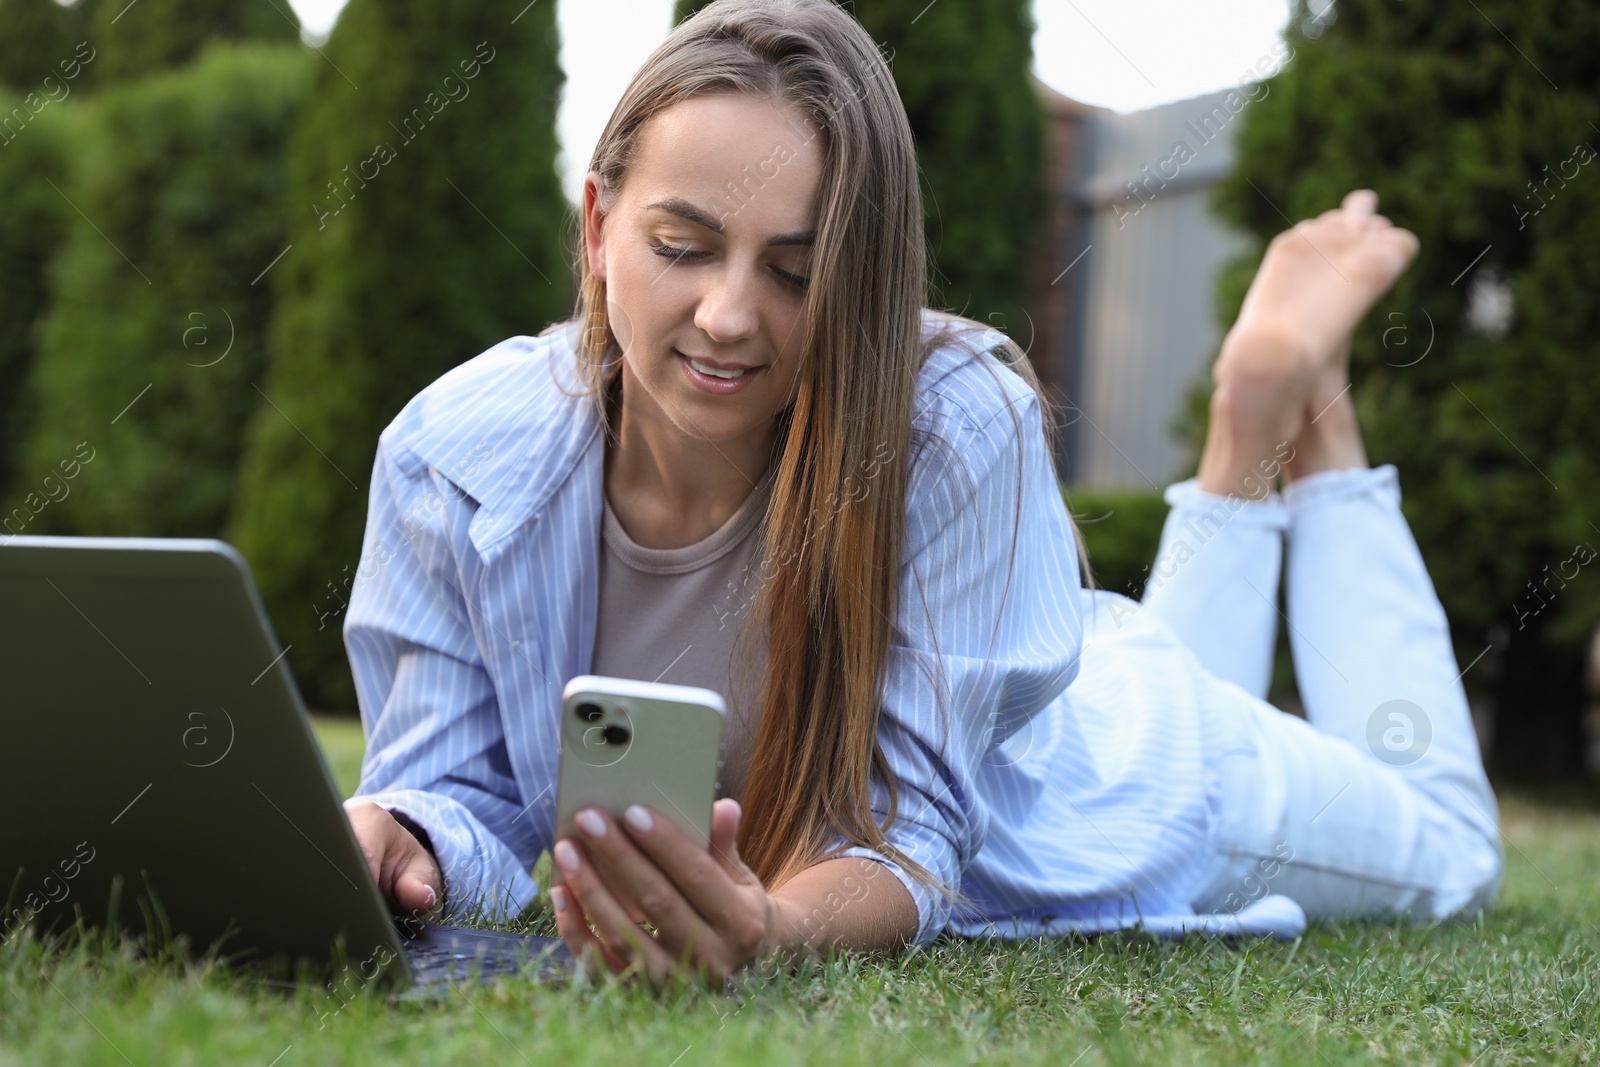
[566, 856]
[590, 822]
[638, 817]
[432, 897]
[558, 897]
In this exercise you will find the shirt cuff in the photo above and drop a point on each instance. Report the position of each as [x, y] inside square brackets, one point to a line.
[1268, 510]
[933, 912]
[416, 830]
[1325, 486]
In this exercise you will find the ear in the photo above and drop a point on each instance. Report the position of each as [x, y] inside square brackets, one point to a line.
[593, 225]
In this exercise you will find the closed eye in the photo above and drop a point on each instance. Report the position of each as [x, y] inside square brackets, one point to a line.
[793, 280]
[693, 255]
[674, 253]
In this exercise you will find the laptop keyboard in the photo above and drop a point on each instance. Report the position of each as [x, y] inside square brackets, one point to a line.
[441, 954]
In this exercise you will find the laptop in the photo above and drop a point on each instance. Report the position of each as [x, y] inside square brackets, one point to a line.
[158, 774]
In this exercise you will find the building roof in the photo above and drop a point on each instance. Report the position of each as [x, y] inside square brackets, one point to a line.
[1144, 146]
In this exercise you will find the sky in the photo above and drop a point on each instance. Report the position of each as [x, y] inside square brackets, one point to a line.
[1122, 54]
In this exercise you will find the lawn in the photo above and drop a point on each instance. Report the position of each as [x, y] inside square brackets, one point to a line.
[1519, 985]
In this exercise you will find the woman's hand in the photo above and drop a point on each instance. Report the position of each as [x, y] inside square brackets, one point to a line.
[405, 871]
[711, 914]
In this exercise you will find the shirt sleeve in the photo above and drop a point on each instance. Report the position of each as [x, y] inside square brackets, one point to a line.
[436, 749]
[988, 630]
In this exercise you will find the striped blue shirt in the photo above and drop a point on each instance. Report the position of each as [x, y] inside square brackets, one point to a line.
[1048, 752]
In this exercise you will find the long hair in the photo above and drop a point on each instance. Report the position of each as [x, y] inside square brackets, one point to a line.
[833, 532]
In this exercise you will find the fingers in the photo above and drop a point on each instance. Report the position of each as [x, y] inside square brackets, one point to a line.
[717, 885]
[725, 816]
[705, 877]
[414, 891]
[631, 874]
[628, 904]
[407, 875]
[580, 940]
[370, 834]
[410, 878]
[621, 940]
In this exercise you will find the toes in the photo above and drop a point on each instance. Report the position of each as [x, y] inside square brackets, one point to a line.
[1403, 246]
[1360, 202]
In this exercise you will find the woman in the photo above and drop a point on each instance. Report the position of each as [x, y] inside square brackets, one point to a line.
[754, 461]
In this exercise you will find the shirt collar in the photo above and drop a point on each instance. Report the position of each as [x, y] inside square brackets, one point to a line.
[510, 426]
[507, 428]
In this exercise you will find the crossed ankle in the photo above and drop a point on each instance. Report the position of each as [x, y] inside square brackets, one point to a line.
[1330, 441]
[1248, 472]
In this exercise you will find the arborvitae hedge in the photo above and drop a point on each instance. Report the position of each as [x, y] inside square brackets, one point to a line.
[963, 71]
[31, 224]
[45, 66]
[427, 225]
[180, 179]
[1477, 127]
[962, 67]
[35, 35]
[153, 35]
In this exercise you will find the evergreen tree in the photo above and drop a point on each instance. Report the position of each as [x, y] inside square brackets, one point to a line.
[155, 335]
[1476, 125]
[150, 35]
[427, 225]
[45, 62]
[962, 68]
[31, 226]
[36, 35]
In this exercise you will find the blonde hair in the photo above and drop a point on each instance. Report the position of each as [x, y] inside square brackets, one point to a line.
[831, 557]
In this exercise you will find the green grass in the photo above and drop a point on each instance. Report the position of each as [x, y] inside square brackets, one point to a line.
[1519, 985]
[342, 746]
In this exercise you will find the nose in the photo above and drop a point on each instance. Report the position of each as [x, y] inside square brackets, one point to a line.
[727, 311]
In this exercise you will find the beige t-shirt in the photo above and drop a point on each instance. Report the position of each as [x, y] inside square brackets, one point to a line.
[673, 614]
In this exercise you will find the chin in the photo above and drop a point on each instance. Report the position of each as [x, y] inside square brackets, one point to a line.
[713, 429]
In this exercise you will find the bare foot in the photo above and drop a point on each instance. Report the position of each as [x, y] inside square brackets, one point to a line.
[1319, 279]
[1258, 408]
[1283, 376]
[1331, 437]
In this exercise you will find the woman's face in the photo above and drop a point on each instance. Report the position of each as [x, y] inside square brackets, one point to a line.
[706, 255]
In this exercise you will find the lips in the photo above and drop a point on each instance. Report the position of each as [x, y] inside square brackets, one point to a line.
[713, 376]
[717, 369]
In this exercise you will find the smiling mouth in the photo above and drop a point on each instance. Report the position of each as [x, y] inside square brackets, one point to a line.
[714, 372]
[726, 374]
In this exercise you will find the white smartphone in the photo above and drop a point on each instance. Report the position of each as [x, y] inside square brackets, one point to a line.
[625, 742]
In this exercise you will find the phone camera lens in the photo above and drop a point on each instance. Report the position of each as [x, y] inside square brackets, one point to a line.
[589, 712]
[617, 735]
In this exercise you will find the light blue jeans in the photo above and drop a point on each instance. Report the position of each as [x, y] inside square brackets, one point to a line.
[1376, 804]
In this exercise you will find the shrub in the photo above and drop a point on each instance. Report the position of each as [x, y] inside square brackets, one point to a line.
[427, 222]
[155, 337]
[31, 227]
[141, 38]
[1121, 531]
[35, 35]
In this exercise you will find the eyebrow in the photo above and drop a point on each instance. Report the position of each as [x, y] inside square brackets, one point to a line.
[684, 210]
